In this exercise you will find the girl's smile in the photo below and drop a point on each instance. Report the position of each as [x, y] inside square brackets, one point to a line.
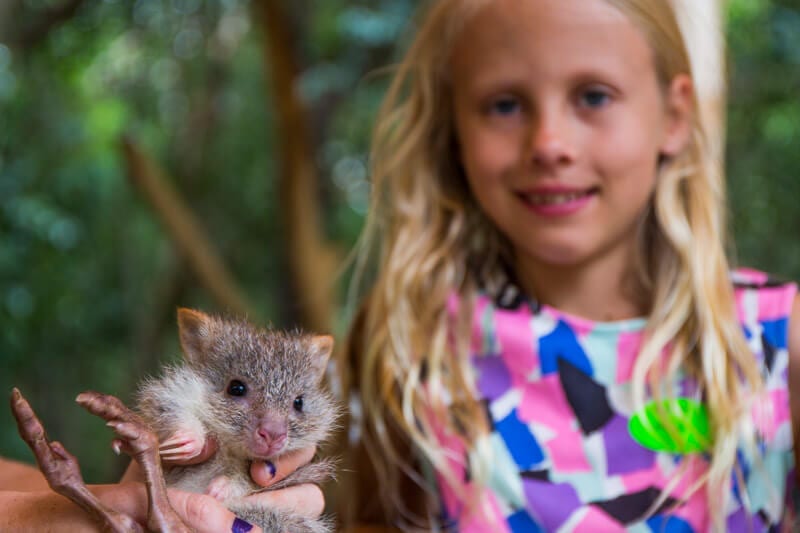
[556, 200]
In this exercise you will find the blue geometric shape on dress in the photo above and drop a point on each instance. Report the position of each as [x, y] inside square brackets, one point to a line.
[741, 469]
[668, 524]
[561, 342]
[520, 442]
[521, 522]
[775, 332]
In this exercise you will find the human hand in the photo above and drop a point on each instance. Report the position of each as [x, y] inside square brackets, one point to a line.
[305, 499]
[199, 512]
[44, 509]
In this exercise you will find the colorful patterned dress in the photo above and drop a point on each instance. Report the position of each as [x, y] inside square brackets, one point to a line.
[557, 390]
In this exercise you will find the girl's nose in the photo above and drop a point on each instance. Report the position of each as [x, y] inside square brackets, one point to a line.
[550, 144]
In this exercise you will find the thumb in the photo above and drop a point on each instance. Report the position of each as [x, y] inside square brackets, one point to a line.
[203, 514]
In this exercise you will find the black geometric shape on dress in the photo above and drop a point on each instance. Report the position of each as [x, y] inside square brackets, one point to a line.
[629, 508]
[443, 522]
[538, 475]
[770, 282]
[769, 353]
[766, 521]
[535, 306]
[588, 398]
[488, 414]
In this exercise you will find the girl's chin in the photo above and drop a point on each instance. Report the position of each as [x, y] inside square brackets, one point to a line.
[553, 255]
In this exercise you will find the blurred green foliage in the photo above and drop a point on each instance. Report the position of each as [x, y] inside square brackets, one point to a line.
[764, 133]
[85, 266]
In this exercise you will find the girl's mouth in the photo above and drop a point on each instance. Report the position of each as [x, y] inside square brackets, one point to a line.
[557, 202]
[556, 198]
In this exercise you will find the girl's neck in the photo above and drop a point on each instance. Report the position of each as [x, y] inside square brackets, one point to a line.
[605, 290]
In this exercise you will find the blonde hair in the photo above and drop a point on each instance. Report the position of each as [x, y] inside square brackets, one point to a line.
[434, 240]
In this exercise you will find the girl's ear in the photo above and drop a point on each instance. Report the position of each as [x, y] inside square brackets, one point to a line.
[679, 110]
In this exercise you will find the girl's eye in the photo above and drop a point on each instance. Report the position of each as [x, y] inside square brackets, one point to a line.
[237, 388]
[504, 106]
[298, 404]
[594, 98]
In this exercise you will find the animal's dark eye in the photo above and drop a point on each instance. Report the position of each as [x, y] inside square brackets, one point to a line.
[298, 404]
[237, 388]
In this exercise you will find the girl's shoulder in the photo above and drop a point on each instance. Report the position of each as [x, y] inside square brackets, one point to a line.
[762, 298]
[748, 278]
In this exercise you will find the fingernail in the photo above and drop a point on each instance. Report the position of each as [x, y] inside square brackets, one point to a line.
[270, 468]
[240, 526]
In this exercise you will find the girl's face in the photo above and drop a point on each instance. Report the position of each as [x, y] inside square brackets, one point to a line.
[560, 121]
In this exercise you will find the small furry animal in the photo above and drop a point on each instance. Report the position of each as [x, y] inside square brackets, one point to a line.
[257, 393]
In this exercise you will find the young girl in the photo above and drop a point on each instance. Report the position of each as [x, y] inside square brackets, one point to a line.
[551, 269]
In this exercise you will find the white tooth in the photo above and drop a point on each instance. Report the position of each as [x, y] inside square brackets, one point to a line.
[553, 199]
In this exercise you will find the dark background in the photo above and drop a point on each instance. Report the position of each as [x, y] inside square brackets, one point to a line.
[258, 116]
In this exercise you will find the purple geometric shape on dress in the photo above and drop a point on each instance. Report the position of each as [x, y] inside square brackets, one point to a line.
[493, 376]
[551, 503]
[741, 520]
[623, 454]
[688, 388]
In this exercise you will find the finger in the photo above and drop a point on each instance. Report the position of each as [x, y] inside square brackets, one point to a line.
[306, 499]
[204, 514]
[266, 473]
[199, 512]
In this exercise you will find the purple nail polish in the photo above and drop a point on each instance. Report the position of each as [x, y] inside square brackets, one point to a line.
[271, 468]
[240, 526]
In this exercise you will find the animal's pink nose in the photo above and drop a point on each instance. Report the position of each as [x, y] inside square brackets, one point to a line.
[269, 436]
[272, 433]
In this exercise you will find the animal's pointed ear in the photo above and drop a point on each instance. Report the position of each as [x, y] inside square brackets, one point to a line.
[322, 346]
[194, 331]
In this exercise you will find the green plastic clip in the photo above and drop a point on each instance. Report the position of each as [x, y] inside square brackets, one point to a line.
[685, 428]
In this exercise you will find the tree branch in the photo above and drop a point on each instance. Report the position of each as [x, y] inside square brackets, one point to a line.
[185, 230]
[312, 261]
[31, 36]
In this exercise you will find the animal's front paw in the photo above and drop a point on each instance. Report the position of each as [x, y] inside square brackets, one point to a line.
[182, 446]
